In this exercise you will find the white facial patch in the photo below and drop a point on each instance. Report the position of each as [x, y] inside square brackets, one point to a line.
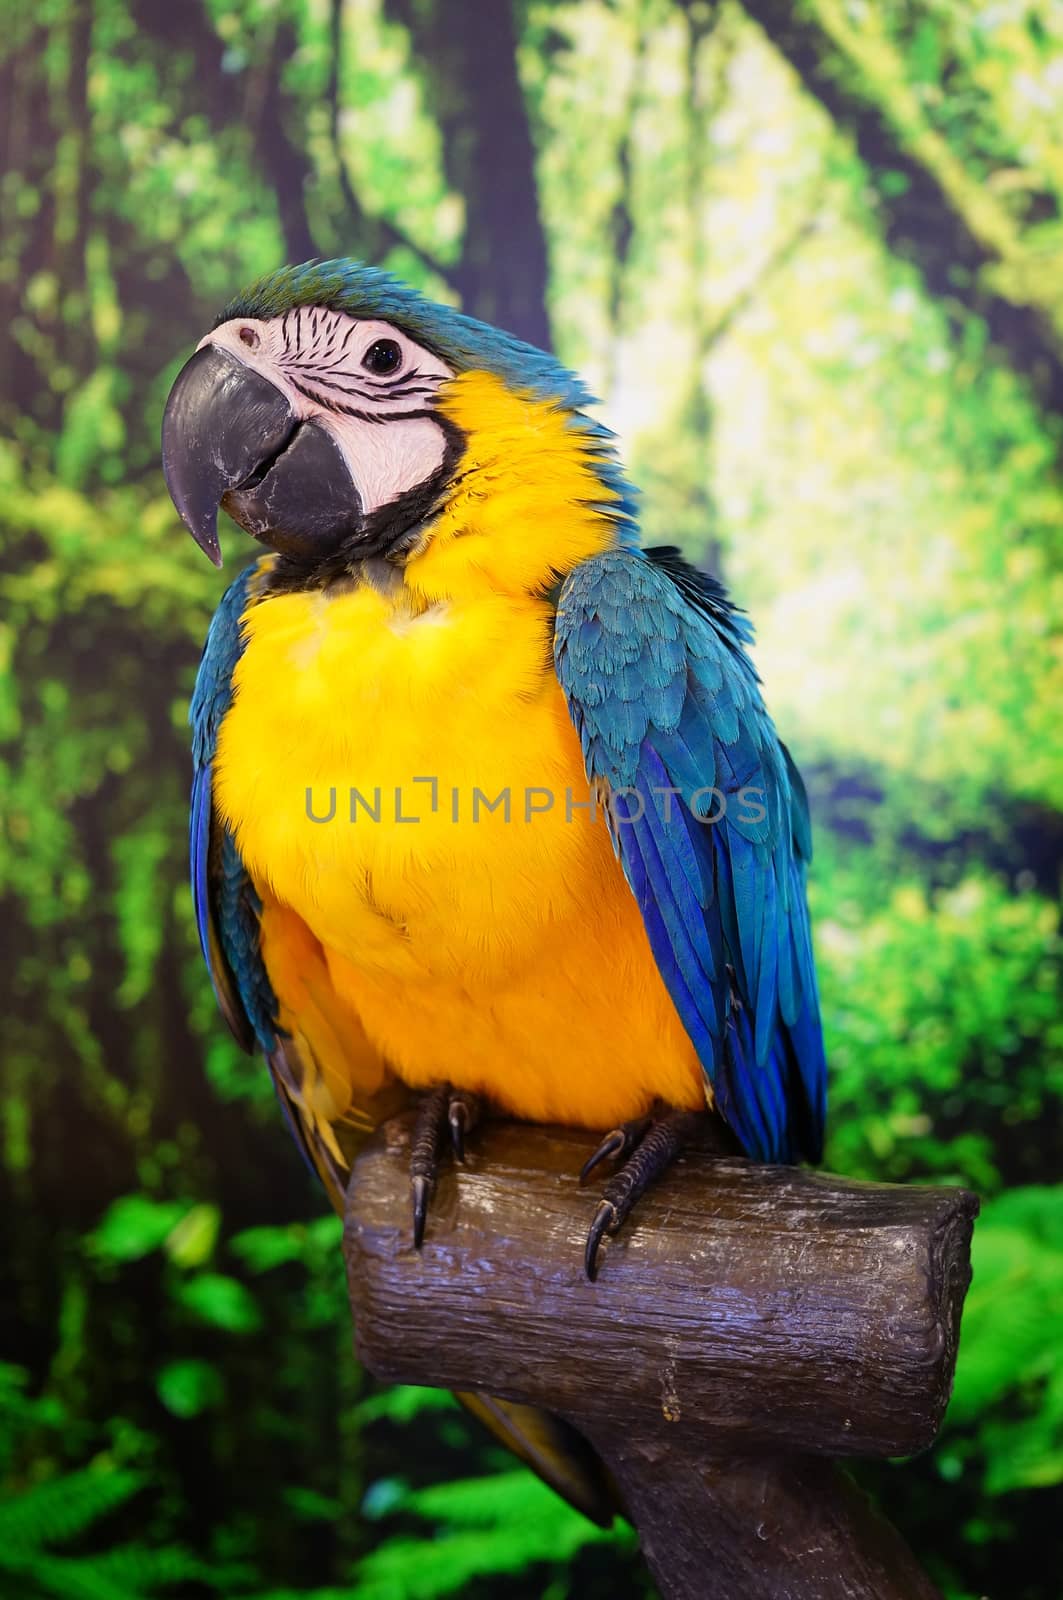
[366, 382]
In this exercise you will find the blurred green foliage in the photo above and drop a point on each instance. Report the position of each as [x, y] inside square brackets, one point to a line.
[810, 256]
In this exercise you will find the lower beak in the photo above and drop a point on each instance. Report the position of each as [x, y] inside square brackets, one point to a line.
[224, 425]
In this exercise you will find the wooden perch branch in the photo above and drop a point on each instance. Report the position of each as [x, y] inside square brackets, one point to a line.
[748, 1321]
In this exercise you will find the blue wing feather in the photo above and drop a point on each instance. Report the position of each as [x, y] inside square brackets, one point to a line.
[198, 849]
[227, 908]
[652, 660]
[223, 897]
[664, 952]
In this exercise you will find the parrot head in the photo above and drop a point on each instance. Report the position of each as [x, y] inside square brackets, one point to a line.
[334, 412]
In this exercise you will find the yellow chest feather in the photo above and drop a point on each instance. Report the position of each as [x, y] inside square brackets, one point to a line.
[411, 784]
[401, 772]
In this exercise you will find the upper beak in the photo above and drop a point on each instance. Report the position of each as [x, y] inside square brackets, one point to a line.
[223, 423]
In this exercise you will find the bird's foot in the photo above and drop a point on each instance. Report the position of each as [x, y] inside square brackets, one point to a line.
[648, 1147]
[444, 1115]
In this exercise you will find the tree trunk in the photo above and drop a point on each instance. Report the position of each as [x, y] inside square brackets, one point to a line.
[938, 217]
[471, 68]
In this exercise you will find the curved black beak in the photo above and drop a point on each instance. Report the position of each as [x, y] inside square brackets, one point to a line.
[231, 438]
[223, 425]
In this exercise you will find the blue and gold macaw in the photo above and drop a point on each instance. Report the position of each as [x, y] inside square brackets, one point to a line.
[487, 802]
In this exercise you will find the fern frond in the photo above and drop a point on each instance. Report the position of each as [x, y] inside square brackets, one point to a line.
[137, 1569]
[53, 1512]
[65, 1578]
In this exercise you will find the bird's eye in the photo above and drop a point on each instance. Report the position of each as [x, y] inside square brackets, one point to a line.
[249, 337]
[383, 357]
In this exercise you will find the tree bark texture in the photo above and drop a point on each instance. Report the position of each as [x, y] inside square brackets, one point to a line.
[746, 1324]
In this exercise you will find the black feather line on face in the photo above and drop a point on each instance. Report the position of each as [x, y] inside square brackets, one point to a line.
[390, 532]
[401, 391]
[351, 411]
[401, 375]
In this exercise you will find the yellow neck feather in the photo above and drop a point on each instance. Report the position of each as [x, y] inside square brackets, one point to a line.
[522, 507]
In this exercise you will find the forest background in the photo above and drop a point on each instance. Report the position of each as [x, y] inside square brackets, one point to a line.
[811, 257]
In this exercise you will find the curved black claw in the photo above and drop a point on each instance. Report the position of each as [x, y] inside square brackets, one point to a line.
[424, 1155]
[444, 1114]
[605, 1221]
[463, 1113]
[619, 1142]
[421, 1188]
[654, 1153]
